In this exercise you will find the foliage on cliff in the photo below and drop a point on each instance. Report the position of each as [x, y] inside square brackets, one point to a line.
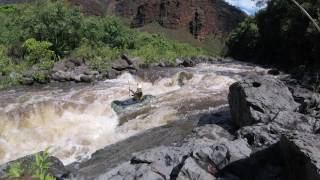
[38, 34]
[279, 35]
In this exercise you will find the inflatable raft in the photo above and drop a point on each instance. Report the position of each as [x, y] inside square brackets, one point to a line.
[120, 106]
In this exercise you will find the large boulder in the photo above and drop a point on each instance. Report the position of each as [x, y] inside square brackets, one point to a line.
[259, 100]
[301, 153]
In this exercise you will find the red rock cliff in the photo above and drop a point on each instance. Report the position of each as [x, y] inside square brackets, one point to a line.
[202, 17]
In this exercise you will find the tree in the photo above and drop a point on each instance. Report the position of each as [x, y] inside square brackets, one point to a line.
[54, 22]
[261, 3]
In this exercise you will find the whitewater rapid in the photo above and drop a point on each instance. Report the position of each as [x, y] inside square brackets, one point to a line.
[73, 121]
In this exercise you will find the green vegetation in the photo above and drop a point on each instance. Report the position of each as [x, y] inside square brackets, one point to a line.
[35, 36]
[37, 169]
[280, 35]
[211, 44]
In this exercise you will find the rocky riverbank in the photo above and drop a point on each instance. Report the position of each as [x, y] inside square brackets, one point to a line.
[269, 130]
[77, 70]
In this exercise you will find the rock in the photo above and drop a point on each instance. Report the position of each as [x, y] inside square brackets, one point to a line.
[56, 168]
[263, 135]
[309, 101]
[266, 164]
[127, 59]
[188, 63]
[87, 78]
[137, 63]
[296, 121]
[301, 153]
[120, 65]
[165, 64]
[59, 66]
[14, 75]
[179, 61]
[191, 170]
[199, 156]
[26, 81]
[274, 72]
[92, 73]
[77, 62]
[112, 74]
[259, 100]
[61, 76]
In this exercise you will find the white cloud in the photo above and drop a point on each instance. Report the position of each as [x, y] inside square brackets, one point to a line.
[248, 6]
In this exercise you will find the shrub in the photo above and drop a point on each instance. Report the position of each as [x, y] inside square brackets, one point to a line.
[39, 52]
[5, 62]
[55, 22]
[37, 169]
[40, 77]
[15, 170]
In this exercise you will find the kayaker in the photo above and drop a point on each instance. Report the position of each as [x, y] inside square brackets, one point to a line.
[137, 96]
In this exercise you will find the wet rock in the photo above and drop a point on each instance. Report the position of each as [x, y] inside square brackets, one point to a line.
[259, 100]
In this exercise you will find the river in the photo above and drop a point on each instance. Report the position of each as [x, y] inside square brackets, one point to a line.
[72, 121]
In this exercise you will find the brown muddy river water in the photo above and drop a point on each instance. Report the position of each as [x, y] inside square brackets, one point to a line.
[73, 121]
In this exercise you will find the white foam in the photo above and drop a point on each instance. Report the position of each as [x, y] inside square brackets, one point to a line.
[75, 123]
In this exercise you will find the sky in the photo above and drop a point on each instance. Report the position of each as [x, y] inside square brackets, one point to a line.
[248, 6]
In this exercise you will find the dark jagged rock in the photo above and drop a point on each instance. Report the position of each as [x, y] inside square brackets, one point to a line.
[296, 156]
[266, 164]
[259, 100]
[198, 156]
[301, 153]
[263, 135]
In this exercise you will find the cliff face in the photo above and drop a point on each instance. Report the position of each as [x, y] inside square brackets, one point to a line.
[202, 17]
